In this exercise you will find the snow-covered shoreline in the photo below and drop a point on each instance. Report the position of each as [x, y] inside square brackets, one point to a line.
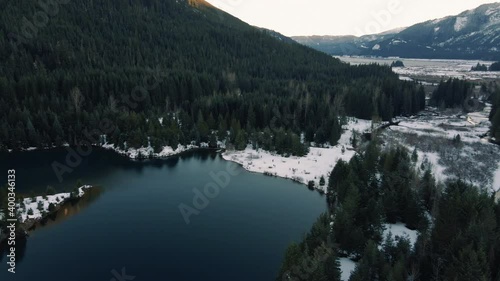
[318, 163]
[35, 208]
[167, 151]
[135, 153]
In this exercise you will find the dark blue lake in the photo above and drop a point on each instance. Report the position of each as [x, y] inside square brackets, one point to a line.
[133, 221]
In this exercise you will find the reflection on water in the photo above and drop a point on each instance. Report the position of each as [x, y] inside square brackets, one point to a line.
[133, 221]
[34, 169]
[20, 250]
[69, 209]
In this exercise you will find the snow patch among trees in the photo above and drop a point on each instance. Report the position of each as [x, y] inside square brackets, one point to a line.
[400, 230]
[347, 266]
[496, 179]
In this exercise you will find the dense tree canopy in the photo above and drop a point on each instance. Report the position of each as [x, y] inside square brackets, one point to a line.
[459, 226]
[495, 66]
[452, 93]
[128, 63]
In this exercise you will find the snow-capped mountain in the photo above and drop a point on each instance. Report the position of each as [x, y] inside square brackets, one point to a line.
[473, 34]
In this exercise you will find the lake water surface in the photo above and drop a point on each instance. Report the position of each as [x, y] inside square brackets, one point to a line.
[133, 221]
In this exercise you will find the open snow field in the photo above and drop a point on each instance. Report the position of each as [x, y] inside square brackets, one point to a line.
[432, 68]
[319, 162]
[473, 160]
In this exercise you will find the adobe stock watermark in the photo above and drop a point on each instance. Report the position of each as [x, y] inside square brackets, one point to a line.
[121, 276]
[380, 21]
[29, 28]
[75, 156]
[210, 191]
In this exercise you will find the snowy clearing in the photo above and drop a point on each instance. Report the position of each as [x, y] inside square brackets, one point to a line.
[472, 159]
[399, 230]
[347, 266]
[496, 179]
[435, 68]
[318, 162]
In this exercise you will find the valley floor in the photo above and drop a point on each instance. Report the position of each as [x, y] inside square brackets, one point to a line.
[430, 70]
[473, 159]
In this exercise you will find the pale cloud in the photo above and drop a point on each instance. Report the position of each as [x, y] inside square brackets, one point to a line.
[333, 17]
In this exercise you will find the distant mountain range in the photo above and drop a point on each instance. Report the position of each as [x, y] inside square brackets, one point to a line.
[473, 34]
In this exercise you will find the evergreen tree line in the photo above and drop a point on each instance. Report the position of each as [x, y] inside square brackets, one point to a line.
[495, 66]
[495, 114]
[127, 64]
[452, 93]
[482, 67]
[458, 225]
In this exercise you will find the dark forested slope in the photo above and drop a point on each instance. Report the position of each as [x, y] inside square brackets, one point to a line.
[69, 65]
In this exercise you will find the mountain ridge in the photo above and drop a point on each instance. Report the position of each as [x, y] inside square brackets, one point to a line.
[472, 34]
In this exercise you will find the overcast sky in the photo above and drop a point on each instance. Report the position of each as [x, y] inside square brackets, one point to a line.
[335, 17]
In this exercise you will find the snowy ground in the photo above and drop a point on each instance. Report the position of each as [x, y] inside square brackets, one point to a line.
[401, 231]
[32, 148]
[435, 68]
[347, 266]
[474, 160]
[40, 204]
[496, 180]
[469, 126]
[398, 230]
[319, 162]
[167, 151]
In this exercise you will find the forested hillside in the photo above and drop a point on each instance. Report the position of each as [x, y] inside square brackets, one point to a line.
[131, 63]
[458, 225]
